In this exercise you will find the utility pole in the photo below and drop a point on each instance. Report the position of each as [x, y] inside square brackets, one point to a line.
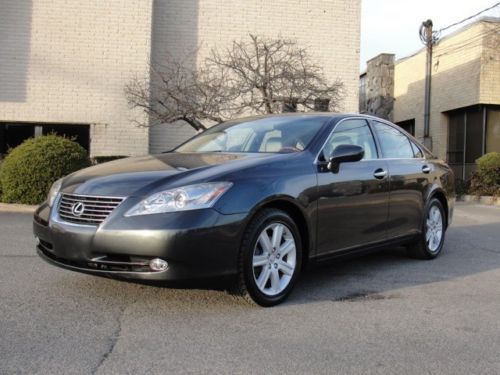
[428, 39]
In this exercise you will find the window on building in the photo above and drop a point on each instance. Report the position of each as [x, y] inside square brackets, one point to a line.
[394, 143]
[493, 130]
[79, 133]
[321, 105]
[465, 139]
[473, 135]
[13, 134]
[456, 138]
[408, 126]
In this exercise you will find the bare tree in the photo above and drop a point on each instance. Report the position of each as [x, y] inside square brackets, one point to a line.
[272, 74]
[176, 92]
[260, 75]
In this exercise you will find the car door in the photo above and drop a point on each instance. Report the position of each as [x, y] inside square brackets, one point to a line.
[409, 173]
[353, 203]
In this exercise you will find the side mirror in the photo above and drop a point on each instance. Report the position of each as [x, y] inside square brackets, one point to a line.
[344, 153]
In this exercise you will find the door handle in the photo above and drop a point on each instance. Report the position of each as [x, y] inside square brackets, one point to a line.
[380, 173]
[426, 169]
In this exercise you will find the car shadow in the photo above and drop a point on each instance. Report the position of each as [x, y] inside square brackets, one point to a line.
[382, 275]
[378, 276]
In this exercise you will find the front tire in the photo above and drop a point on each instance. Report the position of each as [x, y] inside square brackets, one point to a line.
[431, 240]
[270, 258]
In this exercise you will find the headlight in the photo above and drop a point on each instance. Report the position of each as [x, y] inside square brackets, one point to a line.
[54, 190]
[191, 197]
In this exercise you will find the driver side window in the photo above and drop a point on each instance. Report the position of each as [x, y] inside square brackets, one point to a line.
[352, 132]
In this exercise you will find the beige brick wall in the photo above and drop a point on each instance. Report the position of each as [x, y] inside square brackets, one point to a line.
[490, 64]
[328, 28]
[462, 75]
[67, 62]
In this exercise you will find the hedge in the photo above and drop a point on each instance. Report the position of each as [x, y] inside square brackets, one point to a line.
[29, 170]
[486, 179]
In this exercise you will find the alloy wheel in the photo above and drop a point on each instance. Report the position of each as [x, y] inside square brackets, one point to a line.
[274, 259]
[434, 228]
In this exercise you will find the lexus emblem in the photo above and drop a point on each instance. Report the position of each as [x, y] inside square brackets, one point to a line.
[78, 209]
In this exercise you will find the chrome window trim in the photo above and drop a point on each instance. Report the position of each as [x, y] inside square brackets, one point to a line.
[316, 160]
[410, 137]
[402, 132]
[367, 119]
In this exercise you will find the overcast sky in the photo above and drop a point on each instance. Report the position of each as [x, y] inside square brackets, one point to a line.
[392, 25]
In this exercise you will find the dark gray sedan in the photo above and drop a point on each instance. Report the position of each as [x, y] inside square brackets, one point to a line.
[254, 199]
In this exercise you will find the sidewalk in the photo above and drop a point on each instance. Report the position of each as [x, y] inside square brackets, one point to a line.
[12, 207]
[490, 201]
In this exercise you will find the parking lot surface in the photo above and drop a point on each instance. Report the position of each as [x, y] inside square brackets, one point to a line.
[383, 313]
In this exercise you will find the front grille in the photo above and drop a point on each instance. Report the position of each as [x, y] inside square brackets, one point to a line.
[94, 211]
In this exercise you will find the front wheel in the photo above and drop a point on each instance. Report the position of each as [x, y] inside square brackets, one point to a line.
[270, 258]
[430, 243]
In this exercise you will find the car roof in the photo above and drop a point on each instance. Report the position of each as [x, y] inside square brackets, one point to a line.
[332, 115]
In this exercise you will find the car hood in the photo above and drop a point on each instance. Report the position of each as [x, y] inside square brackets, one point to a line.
[127, 177]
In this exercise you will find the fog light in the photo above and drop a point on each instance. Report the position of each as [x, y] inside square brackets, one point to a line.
[158, 264]
[37, 240]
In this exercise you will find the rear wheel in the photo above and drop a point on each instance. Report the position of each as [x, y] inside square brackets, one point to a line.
[430, 242]
[270, 258]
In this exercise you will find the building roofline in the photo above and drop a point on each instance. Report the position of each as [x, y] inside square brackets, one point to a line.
[486, 19]
[381, 54]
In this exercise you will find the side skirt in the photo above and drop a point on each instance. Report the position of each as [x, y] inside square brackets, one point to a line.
[364, 249]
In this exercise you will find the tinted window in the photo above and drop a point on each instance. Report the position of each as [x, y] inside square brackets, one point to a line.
[474, 135]
[465, 134]
[352, 132]
[493, 131]
[272, 134]
[456, 138]
[394, 143]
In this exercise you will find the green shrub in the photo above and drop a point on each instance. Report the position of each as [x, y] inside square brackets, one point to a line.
[29, 170]
[488, 166]
[486, 179]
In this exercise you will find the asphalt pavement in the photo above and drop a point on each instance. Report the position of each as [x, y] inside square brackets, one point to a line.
[383, 313]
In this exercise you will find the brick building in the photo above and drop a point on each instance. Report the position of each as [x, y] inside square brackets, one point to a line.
[64, 64]
[465, 93]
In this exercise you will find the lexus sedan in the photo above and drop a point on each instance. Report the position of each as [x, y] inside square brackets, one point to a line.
[255, 199]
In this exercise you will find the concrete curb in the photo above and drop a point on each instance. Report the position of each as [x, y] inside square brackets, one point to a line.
[13, 207]
[490, 201]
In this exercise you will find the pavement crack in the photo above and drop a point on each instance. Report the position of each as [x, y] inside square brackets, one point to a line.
[113, 340]
[365, 295]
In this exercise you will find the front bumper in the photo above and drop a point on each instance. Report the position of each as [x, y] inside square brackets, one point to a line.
[196, 244]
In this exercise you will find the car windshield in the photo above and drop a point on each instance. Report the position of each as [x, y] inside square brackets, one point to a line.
[264, 135]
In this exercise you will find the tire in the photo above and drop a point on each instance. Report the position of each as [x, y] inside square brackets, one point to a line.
[267, 274]
[430, 242]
